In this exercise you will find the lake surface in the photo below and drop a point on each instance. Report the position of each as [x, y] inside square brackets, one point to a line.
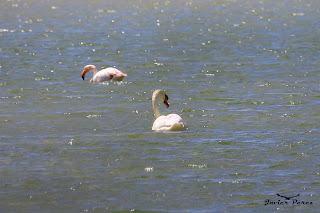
[244, 75]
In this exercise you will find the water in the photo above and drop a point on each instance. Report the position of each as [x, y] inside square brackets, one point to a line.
[243, 74]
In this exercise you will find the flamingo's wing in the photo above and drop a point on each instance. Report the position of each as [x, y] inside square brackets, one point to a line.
[108, 74]
[102, 75]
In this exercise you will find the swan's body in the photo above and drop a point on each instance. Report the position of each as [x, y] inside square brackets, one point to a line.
[107, 74]
[171, 122]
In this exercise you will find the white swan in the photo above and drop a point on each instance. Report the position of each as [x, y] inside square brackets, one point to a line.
[107, 74]
[171, 122]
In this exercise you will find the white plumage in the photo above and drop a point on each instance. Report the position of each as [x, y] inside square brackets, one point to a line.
[171, 122]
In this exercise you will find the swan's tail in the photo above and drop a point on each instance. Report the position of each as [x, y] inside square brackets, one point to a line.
[177, 127]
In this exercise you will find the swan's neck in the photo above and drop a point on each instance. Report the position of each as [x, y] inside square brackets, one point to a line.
[155, 107]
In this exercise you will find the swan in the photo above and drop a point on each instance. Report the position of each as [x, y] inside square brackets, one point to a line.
[171, 122]
[103, 75]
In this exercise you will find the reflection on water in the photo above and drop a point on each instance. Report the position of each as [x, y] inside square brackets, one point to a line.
[243, 75]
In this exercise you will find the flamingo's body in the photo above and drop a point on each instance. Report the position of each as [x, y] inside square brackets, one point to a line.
[171, 122]
[107, 74]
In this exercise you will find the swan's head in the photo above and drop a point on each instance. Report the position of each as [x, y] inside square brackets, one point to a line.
[165, 101]
[160, 95]
[86, 69]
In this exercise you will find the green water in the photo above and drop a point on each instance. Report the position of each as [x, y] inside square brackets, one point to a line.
[243, 75]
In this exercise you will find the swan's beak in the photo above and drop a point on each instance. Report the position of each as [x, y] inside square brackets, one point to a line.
[167, 105]
[166, 98]
[83, 74]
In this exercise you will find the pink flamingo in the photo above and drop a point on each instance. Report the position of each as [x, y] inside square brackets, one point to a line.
[107, 74]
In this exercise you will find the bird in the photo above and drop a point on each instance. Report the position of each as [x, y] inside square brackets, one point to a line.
[171, 122]
[288, 198]
[107, 74]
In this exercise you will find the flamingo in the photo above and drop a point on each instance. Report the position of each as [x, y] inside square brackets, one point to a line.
[107, 74]
[171, 122]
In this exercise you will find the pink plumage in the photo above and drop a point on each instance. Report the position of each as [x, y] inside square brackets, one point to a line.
[107, 74]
